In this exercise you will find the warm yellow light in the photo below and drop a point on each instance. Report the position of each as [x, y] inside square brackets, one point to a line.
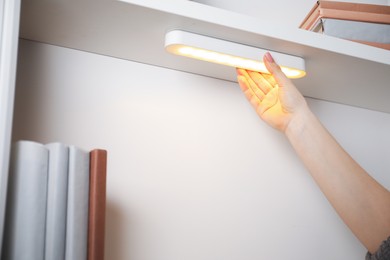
[229, 60]
[229, 53]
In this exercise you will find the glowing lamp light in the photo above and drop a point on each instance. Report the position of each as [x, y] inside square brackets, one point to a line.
[229, 53]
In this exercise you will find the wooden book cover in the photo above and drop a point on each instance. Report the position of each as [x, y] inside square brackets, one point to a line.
[97, 204]
[355, 7]
[310, 18]
[346, 11]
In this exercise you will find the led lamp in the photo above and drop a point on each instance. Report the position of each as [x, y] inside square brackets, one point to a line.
[229, 53]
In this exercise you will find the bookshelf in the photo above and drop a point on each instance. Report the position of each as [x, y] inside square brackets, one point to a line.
[337, 70]
[9, 24]
[137, 220]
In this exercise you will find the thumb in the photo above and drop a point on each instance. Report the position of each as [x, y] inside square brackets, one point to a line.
[275, 70]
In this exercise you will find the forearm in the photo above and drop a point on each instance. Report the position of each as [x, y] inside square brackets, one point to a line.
[361, 202]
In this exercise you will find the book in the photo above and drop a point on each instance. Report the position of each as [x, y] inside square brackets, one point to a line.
[364, 23]
[24, 235]
[56, 201]
[346, 11]
[77, 204]
[97, 204]
[368, 33]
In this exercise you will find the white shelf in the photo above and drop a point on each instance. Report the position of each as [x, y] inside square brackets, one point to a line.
[337, 70]
[9, 29]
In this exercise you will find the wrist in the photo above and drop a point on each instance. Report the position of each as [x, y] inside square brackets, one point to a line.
[299, 122]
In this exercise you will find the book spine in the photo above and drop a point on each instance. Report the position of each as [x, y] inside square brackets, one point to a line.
[24, 236]
[310, 17]
[97, 204]
[77, 205]
[56, 201]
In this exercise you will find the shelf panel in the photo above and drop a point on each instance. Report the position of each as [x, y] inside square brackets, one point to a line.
[337, 70]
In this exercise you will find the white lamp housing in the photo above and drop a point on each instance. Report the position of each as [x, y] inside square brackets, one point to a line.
[229, 53]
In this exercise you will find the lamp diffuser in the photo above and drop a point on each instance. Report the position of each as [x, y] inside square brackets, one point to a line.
[229, 53]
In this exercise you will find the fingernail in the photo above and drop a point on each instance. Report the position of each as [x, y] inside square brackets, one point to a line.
[268, 57]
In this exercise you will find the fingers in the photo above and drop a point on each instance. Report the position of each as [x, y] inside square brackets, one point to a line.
[270, 79]
[260, 81]
[253, 98]
[248, 83]
[275, 70]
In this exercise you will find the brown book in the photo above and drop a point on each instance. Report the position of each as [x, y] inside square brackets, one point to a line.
[376, 16]
[97, 204]
[346, 11]
[310, 18]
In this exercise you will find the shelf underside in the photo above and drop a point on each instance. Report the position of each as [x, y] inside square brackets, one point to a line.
[134, 32]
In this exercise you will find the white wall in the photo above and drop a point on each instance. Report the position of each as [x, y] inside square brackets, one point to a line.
[193, 173]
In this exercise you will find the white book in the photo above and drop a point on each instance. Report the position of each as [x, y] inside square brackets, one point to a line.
[24, 236]
[78, 202]
[356, 30]
[57, 191]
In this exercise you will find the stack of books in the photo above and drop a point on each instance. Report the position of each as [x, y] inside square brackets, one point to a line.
[363, 23]
[56, 202]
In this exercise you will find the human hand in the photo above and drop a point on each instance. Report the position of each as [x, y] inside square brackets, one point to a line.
[276, 100]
